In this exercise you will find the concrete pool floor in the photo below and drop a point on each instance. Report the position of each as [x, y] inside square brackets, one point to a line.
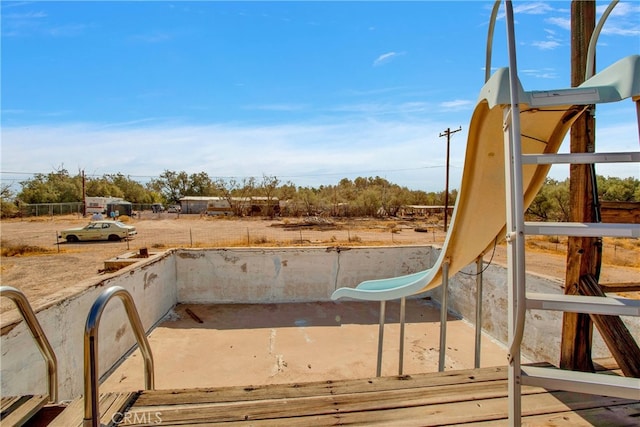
[256, 344]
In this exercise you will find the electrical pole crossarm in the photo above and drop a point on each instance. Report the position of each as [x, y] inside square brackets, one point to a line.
[447, 133]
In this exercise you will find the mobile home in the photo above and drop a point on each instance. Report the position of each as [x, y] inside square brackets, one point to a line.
[100, 204]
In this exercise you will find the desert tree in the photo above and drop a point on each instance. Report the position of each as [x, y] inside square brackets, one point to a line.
[236, 192]
[200, 184]
[54, 187]
[172, 185]
[8, 206]
[268, 187]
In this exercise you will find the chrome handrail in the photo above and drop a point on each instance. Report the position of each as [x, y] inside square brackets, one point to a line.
[91, 408]
[18, 297]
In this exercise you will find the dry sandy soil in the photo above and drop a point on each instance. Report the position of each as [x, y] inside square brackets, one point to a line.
[63, 268]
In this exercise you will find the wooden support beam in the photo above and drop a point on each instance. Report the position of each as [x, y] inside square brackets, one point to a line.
[582, 253]
[620, 287]
[615, 334]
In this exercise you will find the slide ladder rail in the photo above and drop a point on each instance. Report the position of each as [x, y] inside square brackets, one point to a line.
[19, 298]
[519, 300]
[492, 25]
[591, 51]
[91, 405]
[514, 225]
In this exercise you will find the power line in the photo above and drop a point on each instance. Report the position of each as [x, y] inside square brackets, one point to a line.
[235, 176]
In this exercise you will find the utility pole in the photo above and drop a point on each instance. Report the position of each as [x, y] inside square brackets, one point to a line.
[84, 196]
[447, 133]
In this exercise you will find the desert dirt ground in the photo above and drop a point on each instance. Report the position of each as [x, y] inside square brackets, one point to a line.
[47, 270]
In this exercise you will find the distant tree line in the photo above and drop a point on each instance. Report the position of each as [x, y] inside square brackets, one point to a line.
[371, 196]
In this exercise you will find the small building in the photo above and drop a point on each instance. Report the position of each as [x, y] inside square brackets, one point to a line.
[215, 205]
[424, 210]
[195, 204]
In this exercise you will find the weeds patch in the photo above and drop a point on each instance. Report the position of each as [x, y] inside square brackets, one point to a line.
[10, 249]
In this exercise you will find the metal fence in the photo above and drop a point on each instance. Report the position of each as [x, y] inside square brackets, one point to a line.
[77, 208]
[214, 232]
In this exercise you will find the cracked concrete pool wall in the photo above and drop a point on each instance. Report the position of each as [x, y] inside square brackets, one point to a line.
[271, 275]
[151, 283]
[543, 328]
[251, 275]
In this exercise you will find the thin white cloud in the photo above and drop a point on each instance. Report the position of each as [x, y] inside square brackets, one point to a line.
[544, 73]
[561, 22]
[458, 104]
[276, 107]
[546, 44]
[374, 91]
[534, 8]
[620, 31]
[623, 20]
[22, 24]
[26, 15]
[382, 108]
[529, 8]
[67, 30]
[385, 58]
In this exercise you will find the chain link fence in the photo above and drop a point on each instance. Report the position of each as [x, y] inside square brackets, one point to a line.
[202, 231]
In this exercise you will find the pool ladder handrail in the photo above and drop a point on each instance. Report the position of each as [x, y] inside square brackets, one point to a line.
[91, 377]
[591, 51]
[27, 313]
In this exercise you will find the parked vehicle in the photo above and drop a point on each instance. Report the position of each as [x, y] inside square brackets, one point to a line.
[100, 204]
[99, 230]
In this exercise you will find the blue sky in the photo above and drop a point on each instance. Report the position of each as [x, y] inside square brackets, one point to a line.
[309, 92]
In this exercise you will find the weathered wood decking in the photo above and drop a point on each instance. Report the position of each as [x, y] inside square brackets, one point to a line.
[16, 410]
[475, 396]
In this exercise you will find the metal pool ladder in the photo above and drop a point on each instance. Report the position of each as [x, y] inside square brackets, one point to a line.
[18, 297]
[91, 374]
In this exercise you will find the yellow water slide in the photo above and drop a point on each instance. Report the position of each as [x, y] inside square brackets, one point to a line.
[479, 217]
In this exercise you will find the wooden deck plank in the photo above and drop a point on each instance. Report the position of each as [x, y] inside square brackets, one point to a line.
[324, 405]
[16, 410]
[71, 416]
[619, 416]
[7, 401]
[447, 398]
[110, 405]
[463, 403]
[489, 411]
[115, 409]
[319, 388]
